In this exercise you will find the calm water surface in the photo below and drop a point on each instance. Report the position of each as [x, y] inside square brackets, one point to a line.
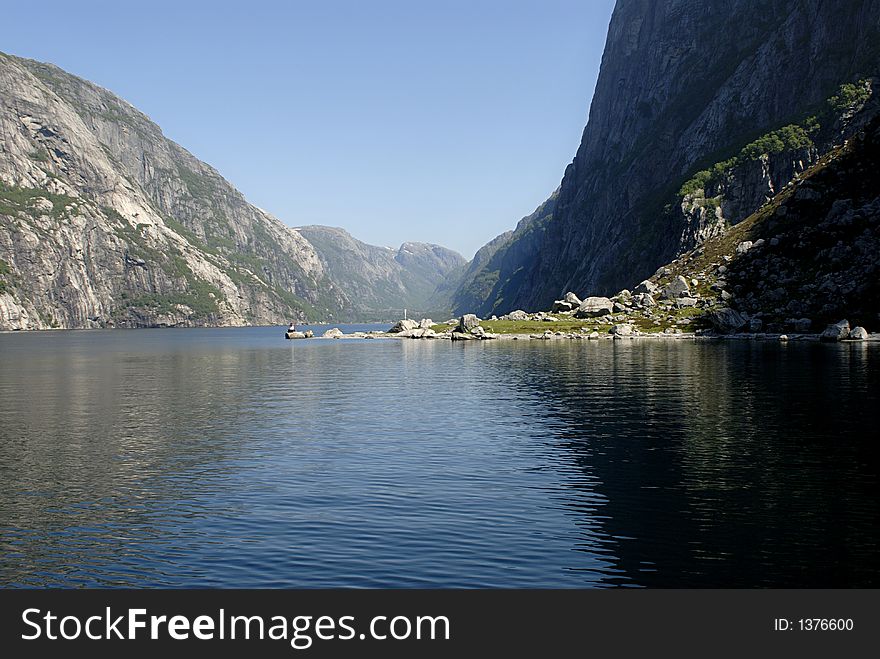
[230, 457]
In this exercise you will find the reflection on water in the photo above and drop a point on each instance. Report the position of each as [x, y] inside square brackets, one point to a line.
[230, 457]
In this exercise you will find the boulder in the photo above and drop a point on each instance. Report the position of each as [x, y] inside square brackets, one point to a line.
[519, 314]
[572, 299]
[686, 302]
[858, 334]
[594, 306]
[334, 333]
[644, 300]
[403, 326]
[464, 336]
[294, 335]
[561, 305]
[426, 323]
[467, 322]
[727, 320]
[678, 287]
[646, 286]
[744, 247]
[622, 329]
[308, 334]
[756, 325]
[593, 335]
[836, 332]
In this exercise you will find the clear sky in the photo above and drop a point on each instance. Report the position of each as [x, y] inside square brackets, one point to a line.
[441, 121]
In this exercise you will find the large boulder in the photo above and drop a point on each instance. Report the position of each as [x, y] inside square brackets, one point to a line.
[334, 333]
[519, 314]
[836, 332]
[467, 322]
[858, 334]
[677, 288]
[426, 323]
[727, 320]
[646, 286]
[572, 299]
[622, 329]
[403, 326]
[464, 336]
[594, 306]
[561, 306]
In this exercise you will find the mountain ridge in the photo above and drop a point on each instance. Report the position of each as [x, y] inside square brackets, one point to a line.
[105, 222]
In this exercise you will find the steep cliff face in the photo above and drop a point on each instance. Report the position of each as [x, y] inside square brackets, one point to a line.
[104, 222]
[683, 85]
[496, 270]
[379, 282]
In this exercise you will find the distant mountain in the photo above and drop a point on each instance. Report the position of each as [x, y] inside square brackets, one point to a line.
[702, 110]
[380, 282]
[105, 222]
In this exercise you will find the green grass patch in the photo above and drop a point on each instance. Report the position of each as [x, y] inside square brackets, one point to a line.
[14, 199]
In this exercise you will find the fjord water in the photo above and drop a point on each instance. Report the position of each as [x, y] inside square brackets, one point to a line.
[230, 457]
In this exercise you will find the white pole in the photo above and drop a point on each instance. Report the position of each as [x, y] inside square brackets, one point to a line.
[404, 314]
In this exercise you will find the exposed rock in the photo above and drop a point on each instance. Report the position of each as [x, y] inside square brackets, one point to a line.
[727, 320]
[622, 329]
[464, 336]
[858, 334]
[561, 306]
[467, 322]
[836, 332]
[334, 333]
[403, 325]
[594, 306]
[678, 287]
[519, 314]
[799, 325]
[572, 299]
[647, 286]
[295, 335]
[744, 247]
[756, 325]
[426, 323]
[686, 302]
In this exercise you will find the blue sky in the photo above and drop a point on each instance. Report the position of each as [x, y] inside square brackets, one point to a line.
[442, 121]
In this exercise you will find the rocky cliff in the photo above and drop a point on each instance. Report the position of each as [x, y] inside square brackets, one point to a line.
[104, 222]
[685, 85]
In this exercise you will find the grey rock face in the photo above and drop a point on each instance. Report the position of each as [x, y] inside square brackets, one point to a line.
[726, 320]
[561, 305]
[403, 325]
[678, 287]
[836, 332]
[663, 104]
[647, 286]
[105, 222]
[594, 306]
[467, 322]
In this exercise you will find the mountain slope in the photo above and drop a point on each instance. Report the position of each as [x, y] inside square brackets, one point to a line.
[104, 222]
[380, 282]
[683, 84]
